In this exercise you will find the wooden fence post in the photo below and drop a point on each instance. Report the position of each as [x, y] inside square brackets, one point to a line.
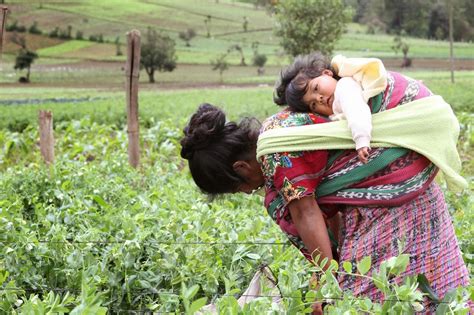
[132, 73]
[2, 25]
[46, 136]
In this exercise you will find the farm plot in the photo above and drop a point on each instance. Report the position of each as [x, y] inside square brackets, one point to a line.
[93, 234]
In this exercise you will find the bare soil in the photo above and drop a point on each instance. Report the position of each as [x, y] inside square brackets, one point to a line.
[431, 64]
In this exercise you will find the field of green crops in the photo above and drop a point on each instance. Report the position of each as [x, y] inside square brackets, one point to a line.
[91, 234]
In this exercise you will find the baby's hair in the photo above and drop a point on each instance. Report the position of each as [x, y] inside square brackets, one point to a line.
[293, 82]
[211, 145]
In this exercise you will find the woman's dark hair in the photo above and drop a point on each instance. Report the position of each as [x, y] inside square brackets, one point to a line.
[293, 82]
[211, 145]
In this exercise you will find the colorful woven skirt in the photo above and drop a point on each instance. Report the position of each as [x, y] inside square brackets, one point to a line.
[423, 225]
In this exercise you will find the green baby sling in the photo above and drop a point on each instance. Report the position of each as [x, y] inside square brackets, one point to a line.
[427, 126]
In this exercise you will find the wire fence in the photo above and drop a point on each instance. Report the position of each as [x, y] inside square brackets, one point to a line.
[270, 277]
[151, 242]
[176, 293]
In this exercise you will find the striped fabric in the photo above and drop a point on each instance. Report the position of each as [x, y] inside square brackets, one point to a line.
[424, 225]
[392, 176]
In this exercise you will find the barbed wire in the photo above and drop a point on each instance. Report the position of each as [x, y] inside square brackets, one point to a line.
[145, 242]
[176, 293]
[272, 278]
[265, 269]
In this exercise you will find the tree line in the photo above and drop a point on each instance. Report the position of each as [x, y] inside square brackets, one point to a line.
[418, 18]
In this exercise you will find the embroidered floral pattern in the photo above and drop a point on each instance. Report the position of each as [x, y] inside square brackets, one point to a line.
[291, 192]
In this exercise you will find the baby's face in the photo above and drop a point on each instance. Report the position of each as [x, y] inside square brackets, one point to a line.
[320, 94]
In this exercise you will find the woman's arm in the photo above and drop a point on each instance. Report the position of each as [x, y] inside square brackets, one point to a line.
[311, 227]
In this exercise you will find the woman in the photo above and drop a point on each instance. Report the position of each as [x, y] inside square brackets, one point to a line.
[392, 199]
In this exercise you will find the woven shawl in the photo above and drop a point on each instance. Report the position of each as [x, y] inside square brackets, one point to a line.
[427, 126]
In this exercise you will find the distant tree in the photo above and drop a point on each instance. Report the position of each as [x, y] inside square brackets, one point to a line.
[369, 12]
[416, 19]
[359, 7]
[207, 23]
[54, 33]
[69, 31]
[157, 53]
[438, 26]
[21, 28]
[451, 52]
[118, 46]
[407, 15]
[254, 47]
[309, 25]
[79, 35]
[420, 18]
[187, 36]
[63, 34]
[400, 44]
[263, 3]
[100, 38]
[25, 57]
[237, 48]
[24, 60]
[463, 24]
[259, 60]
[245, 24]
[34, 28]
[12, 27]
[220, 64]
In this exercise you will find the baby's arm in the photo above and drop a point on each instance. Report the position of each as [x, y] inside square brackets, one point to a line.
[348, 94]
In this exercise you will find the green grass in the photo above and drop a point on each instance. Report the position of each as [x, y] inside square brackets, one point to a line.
[460, 94]
[157, 103]
[64, 48]
[379, 45]
[112, 75]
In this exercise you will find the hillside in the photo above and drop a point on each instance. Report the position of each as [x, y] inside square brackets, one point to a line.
[65, 62]
[113, 18]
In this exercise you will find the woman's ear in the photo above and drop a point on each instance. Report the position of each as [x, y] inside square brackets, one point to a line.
[242, 168]
[328, 72]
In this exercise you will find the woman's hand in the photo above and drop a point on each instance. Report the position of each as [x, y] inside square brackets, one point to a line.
[309, 222]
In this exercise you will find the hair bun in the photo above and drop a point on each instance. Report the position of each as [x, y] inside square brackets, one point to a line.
[203, 128]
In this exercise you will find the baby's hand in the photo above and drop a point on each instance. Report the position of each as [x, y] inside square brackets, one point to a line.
[363, 154]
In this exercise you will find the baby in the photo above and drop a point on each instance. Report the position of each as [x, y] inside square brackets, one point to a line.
[338, 90]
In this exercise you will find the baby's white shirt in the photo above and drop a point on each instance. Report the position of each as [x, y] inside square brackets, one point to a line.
[349, 104]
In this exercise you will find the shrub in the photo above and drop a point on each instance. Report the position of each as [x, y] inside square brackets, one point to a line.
[79, 35]
[34, 29]
[54, 33]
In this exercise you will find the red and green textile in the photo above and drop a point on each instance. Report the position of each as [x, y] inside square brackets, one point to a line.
[390, 198]
[423, 225]
[392, 176]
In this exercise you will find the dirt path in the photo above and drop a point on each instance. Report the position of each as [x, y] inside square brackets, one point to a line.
[431, 64]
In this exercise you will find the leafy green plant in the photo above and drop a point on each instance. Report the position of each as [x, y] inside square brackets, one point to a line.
[146, 239]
